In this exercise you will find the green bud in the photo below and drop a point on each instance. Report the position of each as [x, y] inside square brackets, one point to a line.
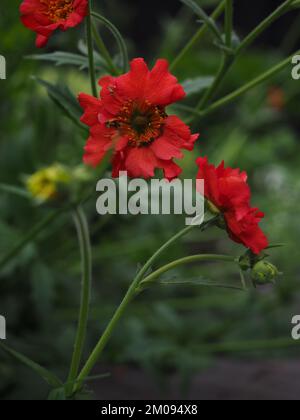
[264, 273]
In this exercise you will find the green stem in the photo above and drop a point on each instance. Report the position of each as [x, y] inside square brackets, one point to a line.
[131, 293]
[104, 51]
[184, 261]
[228, 22]
[229, 59]
[118, 37]
[209, 94]
[38, 228]
[248, 86]
[86, 257]
[199, 34]
[203, 16]
[89, 38]
[281, 10]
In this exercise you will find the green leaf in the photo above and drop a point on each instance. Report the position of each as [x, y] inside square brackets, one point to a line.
[61, 58]
[48, 376]
[64, 99]
[197, 85]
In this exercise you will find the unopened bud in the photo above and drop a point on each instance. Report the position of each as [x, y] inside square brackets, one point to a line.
[264, 273]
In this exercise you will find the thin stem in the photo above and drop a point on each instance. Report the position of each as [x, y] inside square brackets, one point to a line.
[199, 34]
[86, 257]
[184, 261]
[131, 293]
[89, 38]
[229, 59]
[228, 22]
[203, 16]
[118, 37]
[104, 51]
[209, 94]
[38, 228]
[281, 10]
[248, 86]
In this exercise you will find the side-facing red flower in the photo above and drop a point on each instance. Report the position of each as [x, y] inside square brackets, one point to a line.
[45, 16]
[228, 191]
[130, 118]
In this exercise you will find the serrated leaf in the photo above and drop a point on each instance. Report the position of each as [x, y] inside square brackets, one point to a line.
[48, 376]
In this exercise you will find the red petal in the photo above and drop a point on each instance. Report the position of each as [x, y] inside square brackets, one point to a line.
[141, 162]
[162, 87]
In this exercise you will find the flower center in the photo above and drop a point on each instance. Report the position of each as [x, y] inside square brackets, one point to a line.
[58, 9]
[141, 123]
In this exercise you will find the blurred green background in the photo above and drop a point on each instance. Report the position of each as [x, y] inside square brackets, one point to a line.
[173, 335]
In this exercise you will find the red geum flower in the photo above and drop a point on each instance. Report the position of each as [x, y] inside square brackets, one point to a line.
[45, 16]
[227, 191]
[130, 118]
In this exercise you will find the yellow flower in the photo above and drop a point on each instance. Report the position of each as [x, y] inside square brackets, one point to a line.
[44, 185]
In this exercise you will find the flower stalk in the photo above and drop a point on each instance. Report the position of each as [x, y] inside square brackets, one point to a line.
[104, 51]
[86, 257]
[89, 38]
[185, 261]
[130, 295]
[228, 22]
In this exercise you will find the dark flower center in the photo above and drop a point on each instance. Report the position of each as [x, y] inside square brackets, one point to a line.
[58, 9]
[142, 122]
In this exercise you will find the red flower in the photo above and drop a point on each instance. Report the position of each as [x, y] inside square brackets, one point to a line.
[45, 16]
[228, 191]
[131, 119]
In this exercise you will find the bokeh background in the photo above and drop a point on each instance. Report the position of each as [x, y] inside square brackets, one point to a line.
[176, 341]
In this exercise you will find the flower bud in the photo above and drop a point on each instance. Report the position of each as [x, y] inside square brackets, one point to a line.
[264, 273]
